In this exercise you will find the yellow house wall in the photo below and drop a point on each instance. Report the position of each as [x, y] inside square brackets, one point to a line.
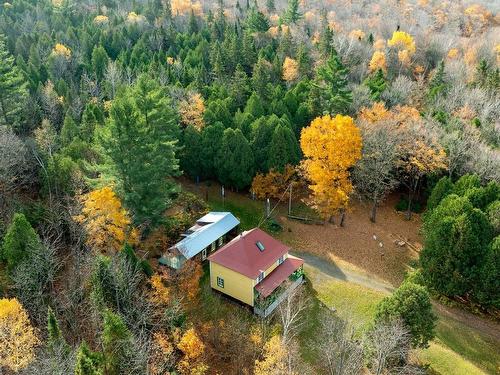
[273, 266]
[236, 285]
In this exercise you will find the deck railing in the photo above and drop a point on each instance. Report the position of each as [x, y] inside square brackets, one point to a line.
[265, 312]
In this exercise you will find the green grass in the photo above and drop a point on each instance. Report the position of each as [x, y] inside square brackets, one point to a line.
[351, 301]
[473, 346]
[445, 361]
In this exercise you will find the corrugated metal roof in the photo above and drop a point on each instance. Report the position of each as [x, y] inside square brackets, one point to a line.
[207, 230]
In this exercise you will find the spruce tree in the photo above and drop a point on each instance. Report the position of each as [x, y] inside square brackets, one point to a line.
[140, 141]
[270, 6]
[190, 156]
[55, 340]
[99, 61]
[377, 85]
[69, 131]
[333, 85]
[19, 239]
[116, 343]
[437, 85]
[88, 362]
[256, 21]
[211, 140]
[13, 89]
[235, 162]
[292, 14]
[283, 149]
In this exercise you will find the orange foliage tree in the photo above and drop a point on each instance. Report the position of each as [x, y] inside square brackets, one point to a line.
[107, 223]
[18, 338]
[419, 152]
[331, 146]
[274, 183]
[189, 280]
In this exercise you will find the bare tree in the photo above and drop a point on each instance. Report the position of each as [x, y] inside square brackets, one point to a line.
[389, 346]
[374, 175]
[113, 77]
[290, 313]
[342, 354]
[13, 162]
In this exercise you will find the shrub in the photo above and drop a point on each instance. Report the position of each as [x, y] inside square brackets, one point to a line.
[412, 304]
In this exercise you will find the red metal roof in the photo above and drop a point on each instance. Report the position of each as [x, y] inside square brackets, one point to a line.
[279, 274]
[243, 256]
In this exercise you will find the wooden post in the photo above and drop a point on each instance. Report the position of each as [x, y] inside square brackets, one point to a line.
[290, 200]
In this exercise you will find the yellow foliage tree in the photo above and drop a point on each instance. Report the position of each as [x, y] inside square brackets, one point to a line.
[274, 359]
[403, 41]
[101, 19]
[378, 62]
[191, 111]
[107, 223]
[330, 146]
[357, 34]
[61, 50]
[18, 338]
[182, 7]
[290, 69]
[193, 348]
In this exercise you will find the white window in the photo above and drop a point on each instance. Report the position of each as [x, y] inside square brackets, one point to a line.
[281, 259]
[220, 282]
[260, 277]
[221, 241]
[213, 246]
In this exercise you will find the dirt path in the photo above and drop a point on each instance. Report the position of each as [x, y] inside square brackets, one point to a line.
[340, 271]
[483, 325]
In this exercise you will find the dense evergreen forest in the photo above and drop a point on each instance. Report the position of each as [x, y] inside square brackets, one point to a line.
[106, 104]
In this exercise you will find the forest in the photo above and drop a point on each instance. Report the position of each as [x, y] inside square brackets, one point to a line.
[108, 108]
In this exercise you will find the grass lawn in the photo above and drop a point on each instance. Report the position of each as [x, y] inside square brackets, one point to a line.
[472, 345]
[456, 350]
[445, 361]
[352, 302]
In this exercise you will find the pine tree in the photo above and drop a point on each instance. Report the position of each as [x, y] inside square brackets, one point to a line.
[235, 162]
[13, 89]
[19, 239]
[140, 142]
[377, 85]
[292, 14]
[333, 85]
[304, 61]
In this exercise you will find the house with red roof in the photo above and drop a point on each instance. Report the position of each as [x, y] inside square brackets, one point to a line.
[256, 269]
